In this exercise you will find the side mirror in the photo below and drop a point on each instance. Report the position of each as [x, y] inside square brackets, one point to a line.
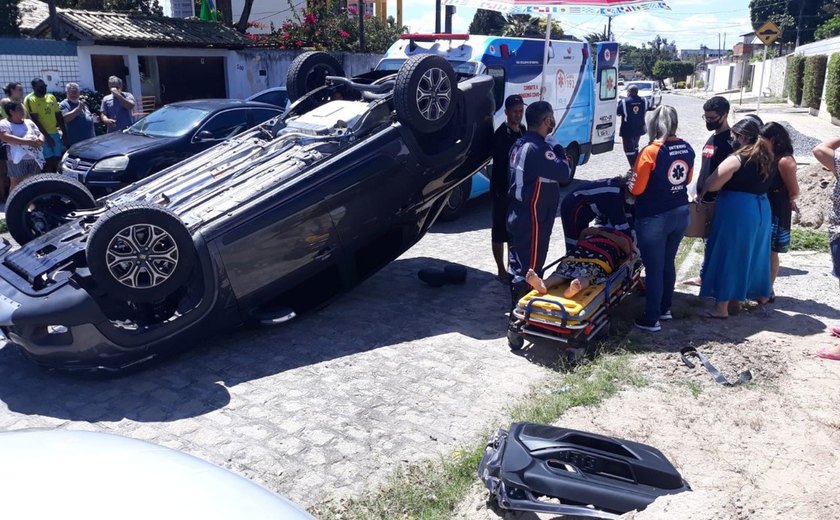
[204, 135]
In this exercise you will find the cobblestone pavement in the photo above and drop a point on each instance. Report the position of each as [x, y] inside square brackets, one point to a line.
[333, 401]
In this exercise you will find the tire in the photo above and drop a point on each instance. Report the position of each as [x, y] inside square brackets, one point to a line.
[515, 340]
[573, 156]
[152, 238]
[456, 201]
[309, 71]
[425, 93]
[42, 202]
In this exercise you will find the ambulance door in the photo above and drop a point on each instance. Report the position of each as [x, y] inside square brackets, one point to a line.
[604, 122]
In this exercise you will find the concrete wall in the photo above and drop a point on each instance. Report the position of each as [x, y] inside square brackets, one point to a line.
[22, 59]
[253, 70]
[769, 76]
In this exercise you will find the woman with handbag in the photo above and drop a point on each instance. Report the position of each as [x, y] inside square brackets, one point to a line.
[782, 195]
[659, 182]
[738, 262]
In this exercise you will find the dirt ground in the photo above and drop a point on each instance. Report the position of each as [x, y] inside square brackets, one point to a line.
[814, 202]
[769, 449]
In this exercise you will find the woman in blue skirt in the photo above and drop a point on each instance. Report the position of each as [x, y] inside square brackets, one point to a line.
[738, 249]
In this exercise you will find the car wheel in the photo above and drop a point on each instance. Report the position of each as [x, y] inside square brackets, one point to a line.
[425, 93]
[140, 252]
[573, 156]
[42, 202]
[309, 71]
[456, 201]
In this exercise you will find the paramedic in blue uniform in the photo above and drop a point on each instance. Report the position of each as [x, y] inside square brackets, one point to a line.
[632, 110]
[507, 134]
[603, 201]
[536, 171]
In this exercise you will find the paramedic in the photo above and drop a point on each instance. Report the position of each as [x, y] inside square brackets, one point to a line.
[603, 200]
[535, 174]
[507, 134]
[632, 110]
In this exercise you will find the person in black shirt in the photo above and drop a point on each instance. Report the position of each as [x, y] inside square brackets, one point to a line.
[717, 148]
[632, 110]
[507, 134]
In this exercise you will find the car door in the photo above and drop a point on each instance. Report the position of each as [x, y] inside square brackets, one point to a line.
[221, 126]
[261, 115]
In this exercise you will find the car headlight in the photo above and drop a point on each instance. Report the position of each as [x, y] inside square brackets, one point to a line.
[112, 164]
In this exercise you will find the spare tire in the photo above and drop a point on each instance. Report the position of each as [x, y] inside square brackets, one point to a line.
[425, 93]
[140, 252]
[309, 71]
[42, 202]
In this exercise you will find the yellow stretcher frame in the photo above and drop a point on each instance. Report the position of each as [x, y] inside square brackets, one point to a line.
[575, 320]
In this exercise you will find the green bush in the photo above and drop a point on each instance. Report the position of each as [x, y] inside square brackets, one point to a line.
[814, 79]
[679, 84]
[832, 87]
[699, 83]
[793, 78]
[829, 29]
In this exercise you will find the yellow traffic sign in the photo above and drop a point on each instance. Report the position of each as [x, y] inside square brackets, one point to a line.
[768, 32]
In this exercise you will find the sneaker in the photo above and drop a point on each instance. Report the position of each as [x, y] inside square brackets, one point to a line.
[665, 316]
[646, 325]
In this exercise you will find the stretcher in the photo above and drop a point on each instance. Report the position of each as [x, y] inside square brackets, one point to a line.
[573, 321]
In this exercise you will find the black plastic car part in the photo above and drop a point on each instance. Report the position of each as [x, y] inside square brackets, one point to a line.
[533, 466]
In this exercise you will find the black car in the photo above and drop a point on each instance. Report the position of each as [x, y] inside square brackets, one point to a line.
[165, 137]
[262, 226]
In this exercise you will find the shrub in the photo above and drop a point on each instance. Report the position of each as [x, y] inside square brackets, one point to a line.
[679, 84]
[829, 29]
[793, 81]
[814, 78]
[832, 87]
[699, 83]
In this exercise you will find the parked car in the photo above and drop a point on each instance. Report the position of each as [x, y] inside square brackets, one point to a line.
[255, 229]
[92, 475]
[166, 136]
[649, 90]
[277, 96]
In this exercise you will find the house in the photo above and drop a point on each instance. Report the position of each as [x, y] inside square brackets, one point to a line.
[168, 59]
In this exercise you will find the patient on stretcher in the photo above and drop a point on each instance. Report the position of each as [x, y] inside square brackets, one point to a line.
[597, 254]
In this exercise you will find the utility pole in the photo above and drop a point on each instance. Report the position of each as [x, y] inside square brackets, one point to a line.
[609, 28]
[361, 26]
[399, 13]
[799, 23]
[718, 56]
[437, 16]
[447, 25]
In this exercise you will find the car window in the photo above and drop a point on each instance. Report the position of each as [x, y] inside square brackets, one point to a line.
[261, 115]
[461, 67]
[498, 75]
[169, 121]
[273, 97]
[226, 124]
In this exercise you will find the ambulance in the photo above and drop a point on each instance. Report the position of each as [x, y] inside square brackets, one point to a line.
[581, 87]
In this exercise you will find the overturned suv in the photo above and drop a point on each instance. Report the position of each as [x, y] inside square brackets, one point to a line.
[260, 227]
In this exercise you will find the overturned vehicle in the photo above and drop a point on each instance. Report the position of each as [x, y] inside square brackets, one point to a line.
[269, 223]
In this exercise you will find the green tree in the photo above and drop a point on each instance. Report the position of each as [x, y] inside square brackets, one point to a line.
[136, 6]
[9, 18]
[798, 19]
[829, 29]
[487, 22]
[678, 70]
[527, 26]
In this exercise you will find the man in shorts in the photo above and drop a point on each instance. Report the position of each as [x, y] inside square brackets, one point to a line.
[507, 134]
[45, 113]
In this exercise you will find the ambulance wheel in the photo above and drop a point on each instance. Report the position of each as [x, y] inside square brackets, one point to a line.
[456, 201]
[515, 340]
[309, 71]
[573, 156]
[425, 93]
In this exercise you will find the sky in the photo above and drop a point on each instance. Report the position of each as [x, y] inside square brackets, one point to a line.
[689, 22]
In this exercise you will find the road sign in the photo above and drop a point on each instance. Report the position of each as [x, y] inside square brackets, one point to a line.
[768, 32]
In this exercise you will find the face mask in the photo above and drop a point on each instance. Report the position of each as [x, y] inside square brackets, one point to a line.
[40, 91]
[713, 125]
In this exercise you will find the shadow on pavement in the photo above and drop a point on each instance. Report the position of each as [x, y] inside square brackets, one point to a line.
[390, 308]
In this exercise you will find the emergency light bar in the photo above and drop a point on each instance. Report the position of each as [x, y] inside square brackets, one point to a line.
[430, 37]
